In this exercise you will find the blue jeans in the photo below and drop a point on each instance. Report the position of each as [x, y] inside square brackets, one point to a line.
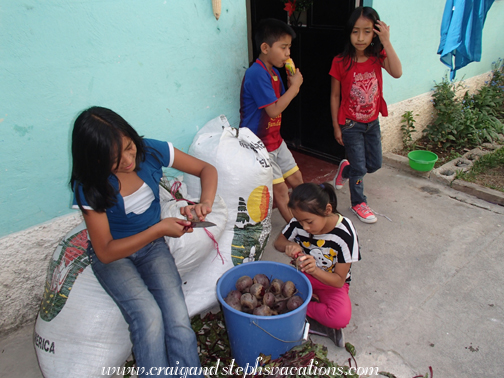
[148, 290]
[364, 153]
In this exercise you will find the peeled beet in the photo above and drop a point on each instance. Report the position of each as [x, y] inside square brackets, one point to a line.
[288, 289]
[233, 297]
[262, 279]
[248, 302]
[269, 299]
[279, 306]
[243, 284]
[257, 290]
[276, 286]
[294, 302]
[262, 310]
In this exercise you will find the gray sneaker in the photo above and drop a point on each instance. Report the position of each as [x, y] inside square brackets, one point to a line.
[336, 335]
[317, 329]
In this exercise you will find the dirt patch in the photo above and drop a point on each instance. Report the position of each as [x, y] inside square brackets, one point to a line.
[492, 178]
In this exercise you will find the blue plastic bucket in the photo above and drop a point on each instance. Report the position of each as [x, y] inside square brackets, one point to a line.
[249, 335]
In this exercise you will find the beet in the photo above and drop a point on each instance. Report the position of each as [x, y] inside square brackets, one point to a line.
[243, 284]
[294, 302]
[276, 286]
[233, 297]
[236, 305]
[262, 311]
[248, 302]
[269, 299]
[280, 306]
[262, 279]
[257, 290]
[288, 289]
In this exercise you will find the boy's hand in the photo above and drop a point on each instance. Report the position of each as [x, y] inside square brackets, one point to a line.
[295, 80]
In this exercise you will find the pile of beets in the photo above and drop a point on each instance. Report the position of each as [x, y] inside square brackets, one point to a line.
[260, 296]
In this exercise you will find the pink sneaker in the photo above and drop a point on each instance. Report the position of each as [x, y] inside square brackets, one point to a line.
[339, 180]
[364, 213]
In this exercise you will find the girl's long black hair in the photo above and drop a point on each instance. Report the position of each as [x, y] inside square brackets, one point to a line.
[96, 151]
[313, 198]
[373, 50]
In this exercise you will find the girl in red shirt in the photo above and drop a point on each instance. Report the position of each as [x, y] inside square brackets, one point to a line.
[357, 100]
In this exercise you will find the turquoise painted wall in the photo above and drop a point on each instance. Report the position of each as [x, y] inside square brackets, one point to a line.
[166, 66]
[415, 35]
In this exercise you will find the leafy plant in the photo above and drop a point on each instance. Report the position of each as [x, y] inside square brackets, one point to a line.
[471, 120]
[446, 126]
[408, 127]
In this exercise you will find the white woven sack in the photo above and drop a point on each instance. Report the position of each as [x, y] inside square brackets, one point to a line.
[245, 185]
[190, 249]
[79, 328]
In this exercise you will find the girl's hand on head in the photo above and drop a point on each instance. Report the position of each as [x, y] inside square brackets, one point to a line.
[307, 264]
[175, 227]
[382, 30]
[292, 249]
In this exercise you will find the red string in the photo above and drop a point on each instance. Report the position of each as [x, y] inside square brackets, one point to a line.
[216, 245]
[174, 189]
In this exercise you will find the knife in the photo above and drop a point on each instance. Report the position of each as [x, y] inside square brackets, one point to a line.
[196, 223]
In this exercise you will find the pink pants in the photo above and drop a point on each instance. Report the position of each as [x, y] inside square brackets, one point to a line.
[334, 309]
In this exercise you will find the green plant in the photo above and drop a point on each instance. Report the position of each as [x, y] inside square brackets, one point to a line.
[470, 120]
[408, 127]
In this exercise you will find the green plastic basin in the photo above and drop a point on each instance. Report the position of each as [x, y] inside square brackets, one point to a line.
[421, 160]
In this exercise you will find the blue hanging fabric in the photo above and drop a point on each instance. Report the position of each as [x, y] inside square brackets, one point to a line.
[461, 32]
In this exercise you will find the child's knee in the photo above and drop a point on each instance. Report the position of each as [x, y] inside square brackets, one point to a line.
[341, 319]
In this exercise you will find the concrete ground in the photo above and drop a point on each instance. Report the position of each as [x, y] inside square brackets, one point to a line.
[429, 290]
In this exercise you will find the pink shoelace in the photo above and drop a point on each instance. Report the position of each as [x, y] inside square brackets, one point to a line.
[174, 189]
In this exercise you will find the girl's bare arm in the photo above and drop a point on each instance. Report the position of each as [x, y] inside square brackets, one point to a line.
[392, 64]
[335, 104]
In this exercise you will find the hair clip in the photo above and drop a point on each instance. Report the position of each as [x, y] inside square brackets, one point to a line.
[322, 186]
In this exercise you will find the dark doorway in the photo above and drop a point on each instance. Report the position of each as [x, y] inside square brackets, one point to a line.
[306, 123]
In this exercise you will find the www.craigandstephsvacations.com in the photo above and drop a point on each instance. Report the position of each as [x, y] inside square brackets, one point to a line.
[233, 369]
